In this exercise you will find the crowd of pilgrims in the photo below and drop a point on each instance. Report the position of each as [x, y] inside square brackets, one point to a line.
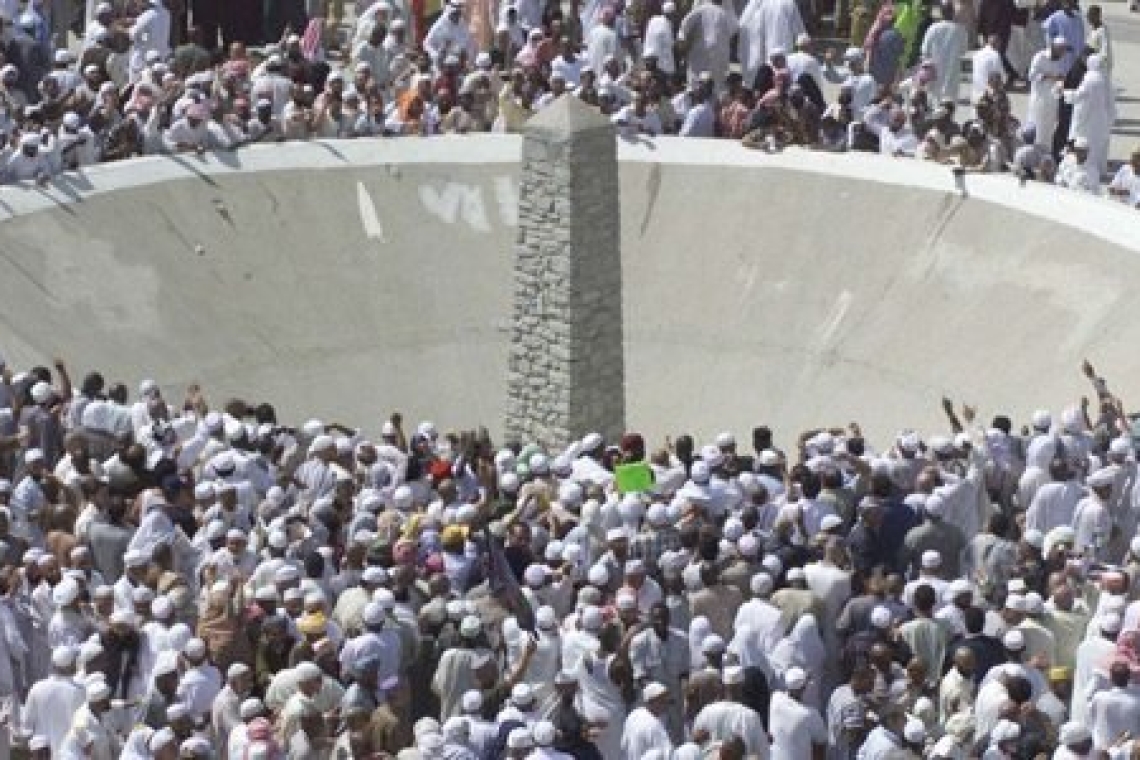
[182, 580]
[142, 78]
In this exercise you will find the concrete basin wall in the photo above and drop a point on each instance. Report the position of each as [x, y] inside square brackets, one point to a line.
[346, 279]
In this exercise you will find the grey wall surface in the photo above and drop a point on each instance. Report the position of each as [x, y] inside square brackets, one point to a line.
[795, 290]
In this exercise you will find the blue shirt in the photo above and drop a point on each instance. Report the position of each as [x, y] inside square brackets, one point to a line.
[1072, 28]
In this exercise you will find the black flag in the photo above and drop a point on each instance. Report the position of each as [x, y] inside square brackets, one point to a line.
[504, 586]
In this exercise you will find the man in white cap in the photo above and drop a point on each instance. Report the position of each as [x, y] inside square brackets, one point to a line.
[728, 716]
[1114, 711]
[661, 38]
[1092, 522]
[89, 735]
[587, 467]
[766, 26]
[796, 599]
[707, 34]
[930, 573]
[1075, 741]
[830, 582]
[162, 692]
[449, 34]
[759, 625]
[455, 673]
[1040, 644]
[945, 42]
[926, 637]
[1074, 172]
[984, 65]
[319, 472]
[201, 681]
[378, 639]
[1055, 503]
[352, 602]
[661, 653]
[68, 626]
[51, 704]
[136, 564]
[250, 710]
[719, 602]
[798, 731]
[226, 711]
[644, 727]
[934, 533]
[149, 34]
[1046, 75]
[803, 63]
[28, 499]
[1003, 739]
[1089, 675]
[482, 733]
[545, 736]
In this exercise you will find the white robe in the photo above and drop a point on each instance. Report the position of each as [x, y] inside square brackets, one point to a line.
[1054, 506]
[1090, 675]
[708, 31]
[643, 732]
[453, 677]
[800, 63]
[50, 708]
[765, 26]
[1111, 713]
[1042, 110]
[986, 61]
[105, 744]
[1091, 523]
[659, 39]
[945, 43]
[150, 32]
[1093, 115]
[759, 627]
[600, 700]
[601, 43]
[198, 688]
[1030, 483]
[723, 720]
[795, 728]
[987, 708]
[446, 36]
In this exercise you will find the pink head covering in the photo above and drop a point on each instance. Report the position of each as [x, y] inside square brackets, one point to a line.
[1128, 650]
[311, 39]
[434, 563]
[260, 730]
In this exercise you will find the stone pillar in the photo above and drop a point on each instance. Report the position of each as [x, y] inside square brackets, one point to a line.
[566, 372]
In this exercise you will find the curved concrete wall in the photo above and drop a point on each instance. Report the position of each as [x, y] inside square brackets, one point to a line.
[343, 280]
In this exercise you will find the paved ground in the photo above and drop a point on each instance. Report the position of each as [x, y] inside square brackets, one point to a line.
[345, 279]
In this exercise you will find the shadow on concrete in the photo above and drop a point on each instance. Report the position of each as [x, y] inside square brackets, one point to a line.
[325, 146]
[193, 163]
